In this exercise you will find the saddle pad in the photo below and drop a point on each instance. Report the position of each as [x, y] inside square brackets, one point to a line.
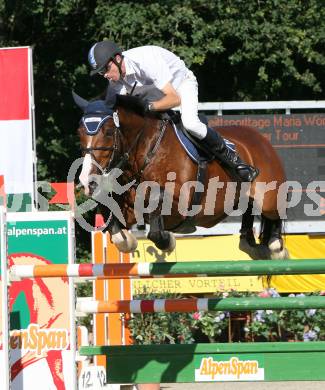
[193, 152]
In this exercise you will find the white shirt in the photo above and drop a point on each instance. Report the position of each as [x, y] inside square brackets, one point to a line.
[150, 65]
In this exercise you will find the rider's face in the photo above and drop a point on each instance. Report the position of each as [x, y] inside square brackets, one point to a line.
[111, 72]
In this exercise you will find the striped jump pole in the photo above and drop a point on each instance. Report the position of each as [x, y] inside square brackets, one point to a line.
[186, 268]
[202, 304]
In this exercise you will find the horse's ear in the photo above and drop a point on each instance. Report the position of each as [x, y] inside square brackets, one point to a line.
[80, 102]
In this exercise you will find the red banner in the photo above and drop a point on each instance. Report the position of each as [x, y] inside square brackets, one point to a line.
[14, 97]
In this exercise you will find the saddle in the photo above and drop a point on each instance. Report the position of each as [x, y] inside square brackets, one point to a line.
[192, 147]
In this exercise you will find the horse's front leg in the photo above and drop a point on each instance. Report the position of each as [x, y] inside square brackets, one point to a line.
[123, 239]
[162, 239]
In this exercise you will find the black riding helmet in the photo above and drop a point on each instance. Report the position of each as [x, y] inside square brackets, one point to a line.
[100, 54]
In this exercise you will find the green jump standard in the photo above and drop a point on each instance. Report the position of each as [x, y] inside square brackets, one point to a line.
[220, 362]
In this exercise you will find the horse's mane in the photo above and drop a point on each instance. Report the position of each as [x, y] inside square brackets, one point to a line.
[131, 103]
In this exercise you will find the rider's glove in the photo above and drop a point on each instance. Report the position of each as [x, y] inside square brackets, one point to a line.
[146, 106]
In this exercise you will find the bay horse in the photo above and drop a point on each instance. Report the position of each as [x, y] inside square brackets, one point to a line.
[145, 150]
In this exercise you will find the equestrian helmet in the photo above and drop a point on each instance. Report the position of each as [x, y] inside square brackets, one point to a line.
[100, 54]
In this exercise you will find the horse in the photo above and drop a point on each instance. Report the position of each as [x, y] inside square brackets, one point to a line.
[164, 187]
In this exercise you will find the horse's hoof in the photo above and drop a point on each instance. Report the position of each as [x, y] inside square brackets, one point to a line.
[280, 255]
[172, 243]
[125, 241]
[277, 249]
[275, 244]
[163, 240]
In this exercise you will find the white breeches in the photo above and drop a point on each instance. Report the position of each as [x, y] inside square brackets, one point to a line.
[188, 92]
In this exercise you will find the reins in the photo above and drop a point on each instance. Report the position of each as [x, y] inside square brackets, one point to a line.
[125, 157]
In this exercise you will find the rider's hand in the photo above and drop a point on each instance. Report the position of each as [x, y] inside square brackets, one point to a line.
[145, 106]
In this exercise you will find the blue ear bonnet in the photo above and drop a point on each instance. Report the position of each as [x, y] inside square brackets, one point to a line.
[95, 115]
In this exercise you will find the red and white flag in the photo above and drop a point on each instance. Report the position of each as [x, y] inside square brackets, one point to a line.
[16, 130]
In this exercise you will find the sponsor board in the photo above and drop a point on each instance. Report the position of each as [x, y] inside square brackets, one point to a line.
[4, 317]
[42, 324]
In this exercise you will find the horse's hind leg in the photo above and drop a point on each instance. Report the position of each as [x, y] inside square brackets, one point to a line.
[271, 237]
[247, 242]
[246, 230]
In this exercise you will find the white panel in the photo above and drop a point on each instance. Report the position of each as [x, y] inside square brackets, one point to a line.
[16, 156]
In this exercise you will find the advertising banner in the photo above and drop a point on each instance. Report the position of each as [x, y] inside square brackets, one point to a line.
[42, 324]
[17, 149]
[225, 368]
[299, 140]
[4, 317]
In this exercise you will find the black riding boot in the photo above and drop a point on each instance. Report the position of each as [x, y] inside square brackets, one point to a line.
[237, 168]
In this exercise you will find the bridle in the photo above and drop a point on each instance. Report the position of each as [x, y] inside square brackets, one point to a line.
[114, 148]
[123, 157]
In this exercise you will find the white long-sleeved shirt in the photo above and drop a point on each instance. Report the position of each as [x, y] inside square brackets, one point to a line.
[150, 65]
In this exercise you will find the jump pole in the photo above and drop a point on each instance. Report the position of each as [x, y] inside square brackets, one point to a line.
[181, 269]
[202, 304]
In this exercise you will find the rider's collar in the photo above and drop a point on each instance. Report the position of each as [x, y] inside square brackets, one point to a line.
[129, 67]
[93, 122]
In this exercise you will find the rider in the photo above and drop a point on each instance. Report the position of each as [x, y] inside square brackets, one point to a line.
[154, 65]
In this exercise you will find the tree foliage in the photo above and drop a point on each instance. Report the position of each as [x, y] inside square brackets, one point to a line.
[240, 50]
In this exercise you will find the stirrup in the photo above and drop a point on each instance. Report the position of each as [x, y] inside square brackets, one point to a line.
[238, 170]
[242, 172]
[252, 173]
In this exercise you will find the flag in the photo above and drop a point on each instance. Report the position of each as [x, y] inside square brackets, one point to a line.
[16, 129]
